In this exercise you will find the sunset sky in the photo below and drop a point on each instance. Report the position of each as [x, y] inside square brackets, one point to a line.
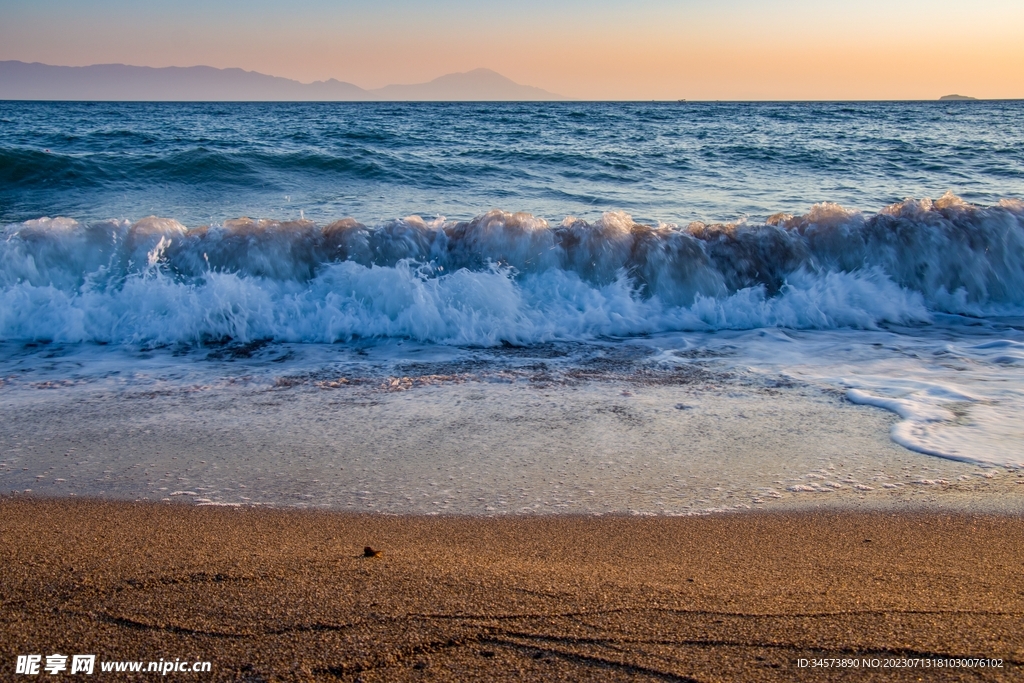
[593, 49]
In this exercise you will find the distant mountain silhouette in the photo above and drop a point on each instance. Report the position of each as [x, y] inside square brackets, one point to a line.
[119, 82]
[21, 81]
[478, 84]
[948, 98]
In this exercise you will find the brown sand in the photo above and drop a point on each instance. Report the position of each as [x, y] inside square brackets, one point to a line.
[282, 595]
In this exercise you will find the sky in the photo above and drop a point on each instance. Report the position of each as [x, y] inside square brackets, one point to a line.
[596, 49]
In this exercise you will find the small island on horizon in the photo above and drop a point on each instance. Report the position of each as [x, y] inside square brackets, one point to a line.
[952, 98]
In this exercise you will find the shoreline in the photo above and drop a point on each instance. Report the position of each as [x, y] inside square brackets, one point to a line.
[940, 499]
[287, 594]
[677, 446]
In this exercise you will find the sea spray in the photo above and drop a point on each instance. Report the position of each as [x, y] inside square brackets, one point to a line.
[505, 277]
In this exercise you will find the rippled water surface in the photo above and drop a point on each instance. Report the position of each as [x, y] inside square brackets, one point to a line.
[202, 163]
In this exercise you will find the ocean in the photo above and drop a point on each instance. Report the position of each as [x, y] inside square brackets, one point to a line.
[469, 308]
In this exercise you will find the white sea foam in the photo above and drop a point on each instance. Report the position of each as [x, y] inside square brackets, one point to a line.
[505, 277]
[347, 300]
[969, 409]
[957, 388]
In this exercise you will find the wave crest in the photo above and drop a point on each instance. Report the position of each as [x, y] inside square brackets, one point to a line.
[505, 276]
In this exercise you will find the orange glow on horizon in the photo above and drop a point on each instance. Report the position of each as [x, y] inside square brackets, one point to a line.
[785, 49]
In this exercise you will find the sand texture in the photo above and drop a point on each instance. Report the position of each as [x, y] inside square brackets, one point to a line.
[288, 595]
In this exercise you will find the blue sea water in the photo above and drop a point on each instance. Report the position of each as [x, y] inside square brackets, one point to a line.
[659, 162]
[876, 248]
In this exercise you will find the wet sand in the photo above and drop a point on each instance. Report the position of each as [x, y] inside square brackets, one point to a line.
[288, 595]
[482, 448]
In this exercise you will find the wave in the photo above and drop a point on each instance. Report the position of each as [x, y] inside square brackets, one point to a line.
[112, 168]
[506, 277]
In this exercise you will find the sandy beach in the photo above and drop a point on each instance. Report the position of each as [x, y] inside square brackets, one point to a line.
[289, 595]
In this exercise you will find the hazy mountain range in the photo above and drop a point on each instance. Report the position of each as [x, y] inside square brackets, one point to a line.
[35, 81]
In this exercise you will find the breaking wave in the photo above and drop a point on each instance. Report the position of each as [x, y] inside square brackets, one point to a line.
[505, 277]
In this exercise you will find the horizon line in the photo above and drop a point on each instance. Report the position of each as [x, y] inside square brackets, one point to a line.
[563, 101]
[561, 98]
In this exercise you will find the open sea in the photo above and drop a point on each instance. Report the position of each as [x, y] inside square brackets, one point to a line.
[467, 308]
